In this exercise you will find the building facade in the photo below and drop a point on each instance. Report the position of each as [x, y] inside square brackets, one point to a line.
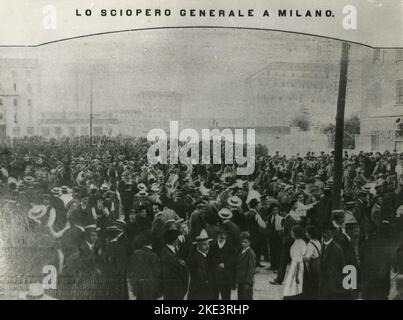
[382, 102]
[20, 94]
[282, 90]
[149, 110]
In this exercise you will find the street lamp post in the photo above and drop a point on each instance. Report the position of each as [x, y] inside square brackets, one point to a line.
[338, 148]
[91, 114]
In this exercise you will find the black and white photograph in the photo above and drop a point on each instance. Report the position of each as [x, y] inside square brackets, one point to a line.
[200, 163]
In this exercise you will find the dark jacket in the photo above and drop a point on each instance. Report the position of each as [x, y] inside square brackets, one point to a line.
[331, 272]
[200, 287]
[234, 233]
[114, 271]
[245, 267]
[376, 263]
[226, 255]
[174, 275]
[145, 273]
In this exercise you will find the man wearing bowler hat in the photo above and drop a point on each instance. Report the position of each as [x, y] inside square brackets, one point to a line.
[222, 260]
[174, 270]
[145, 271]
[200, 287]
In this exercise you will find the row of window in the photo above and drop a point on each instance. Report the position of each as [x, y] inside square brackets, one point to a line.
[299, 84]
[267, 100]
[15, 102]
[320, 75]
[15, 73]
[28, 87]
[399, 92]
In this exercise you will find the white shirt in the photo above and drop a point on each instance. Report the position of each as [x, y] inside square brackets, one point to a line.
[278, 226]
[313, 252]
[244, 250]
[202, 253]
[343, 230]
[221, 244]
[90, 245]
[173, 249]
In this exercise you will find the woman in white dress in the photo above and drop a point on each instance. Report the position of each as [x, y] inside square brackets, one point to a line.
[293, 288]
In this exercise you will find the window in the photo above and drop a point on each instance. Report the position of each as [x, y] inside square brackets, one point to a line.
[15, 86]
[15, 102]
[29, 102]
[399, 55]
[30, 131]
[16, 131]
[1, 116]
[45, 131]
[84, 131]
[58, 131]
[29, 87]
[98, 131]
[72, 131]
[374, 140]
[399, 92]
[1, 102]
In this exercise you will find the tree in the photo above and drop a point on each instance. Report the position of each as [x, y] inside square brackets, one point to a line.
[302, 120]
[351, 128]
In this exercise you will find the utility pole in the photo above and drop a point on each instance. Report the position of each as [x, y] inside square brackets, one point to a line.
[338, 148]
[91, 115]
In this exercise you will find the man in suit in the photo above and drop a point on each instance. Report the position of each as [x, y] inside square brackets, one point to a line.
[362, 214]
[376, 211]
[245, 269]
[230, 227]
[274, 229]
[345, 239]
[87, 270]
[222, 259]
[256, 231]
[114, 266]
[377, 254]
[332, 264]
[174, 270]
[288, 223]
[60, 209]
[200, 287]
[324, 208]
[145, 271]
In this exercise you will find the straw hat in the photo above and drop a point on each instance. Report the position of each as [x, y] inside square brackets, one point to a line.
[234, 201]
[225, 214]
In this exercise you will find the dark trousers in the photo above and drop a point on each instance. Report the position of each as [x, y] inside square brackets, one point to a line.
[284, 259]
[224, 290]
[144, 292]
[275, 250]
[259, 246]
[245, 291]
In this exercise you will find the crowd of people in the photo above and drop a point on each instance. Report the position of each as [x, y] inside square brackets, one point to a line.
[115, 226]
